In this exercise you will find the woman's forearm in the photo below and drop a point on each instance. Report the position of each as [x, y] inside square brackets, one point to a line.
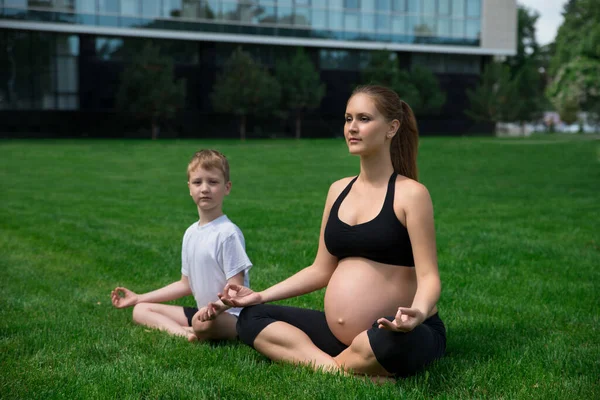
[305, 281]
[428, 294]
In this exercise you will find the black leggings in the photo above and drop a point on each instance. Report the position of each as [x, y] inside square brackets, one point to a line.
[401, 354]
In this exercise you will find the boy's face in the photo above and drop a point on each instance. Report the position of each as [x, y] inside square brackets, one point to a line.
[208, 187]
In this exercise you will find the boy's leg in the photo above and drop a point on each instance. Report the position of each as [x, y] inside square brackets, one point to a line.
[162, 316]
[220, 328]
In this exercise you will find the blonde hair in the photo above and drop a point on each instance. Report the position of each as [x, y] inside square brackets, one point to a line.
[404, 145]
[209, 159]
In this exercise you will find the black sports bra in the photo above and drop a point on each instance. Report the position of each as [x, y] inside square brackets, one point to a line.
[383, 239]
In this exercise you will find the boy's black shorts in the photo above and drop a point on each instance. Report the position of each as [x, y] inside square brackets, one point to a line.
[189, 313]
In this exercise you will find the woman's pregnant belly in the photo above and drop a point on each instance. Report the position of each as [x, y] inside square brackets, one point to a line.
[361, 291]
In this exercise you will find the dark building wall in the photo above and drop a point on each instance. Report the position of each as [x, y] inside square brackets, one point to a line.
[99, 80]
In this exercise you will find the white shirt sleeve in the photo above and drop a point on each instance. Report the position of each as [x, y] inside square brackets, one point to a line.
[185, 266]
[233, 257]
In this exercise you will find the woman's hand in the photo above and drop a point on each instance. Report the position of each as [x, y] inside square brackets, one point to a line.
[239, 296]
[122, 297]
[405, 321]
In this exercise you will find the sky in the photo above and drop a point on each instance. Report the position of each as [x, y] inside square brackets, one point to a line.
[550, 17]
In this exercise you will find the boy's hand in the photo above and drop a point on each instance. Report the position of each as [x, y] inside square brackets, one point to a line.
[211, 311]
[122, 297]
[239, 296]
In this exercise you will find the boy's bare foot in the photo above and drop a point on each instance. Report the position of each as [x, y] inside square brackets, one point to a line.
[192, 338]
[191, 335]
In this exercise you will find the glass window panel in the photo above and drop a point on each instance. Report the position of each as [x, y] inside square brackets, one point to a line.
[336, 20]
[85, 6]
[474, 8]
[413, 22]
[106, 48]
[429, 7]
[171, 8]
[287, 3]
[302, 16]
[130, 7]
[383, 22]
[458, 8]
[473, 28]
[109, 6]
[66, 68]
[444, 7]
[399, 5]
[319, 19]
[40, 3]
[210, 9]
[427, 27]
[443, 27]
[414, 6]
[351, 4]
[285, 15]
[351, 21]
[303, 2]
[458, 28]
[383, 5]
[268, 16]
[151, 8]
[229, 11]
[399, 24]
[336, 3]
[16, 3]
[67, 45]
[67, 102]
[367, 22]
[368, 5]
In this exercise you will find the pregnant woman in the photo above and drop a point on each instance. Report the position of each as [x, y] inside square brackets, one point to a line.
[376, 255]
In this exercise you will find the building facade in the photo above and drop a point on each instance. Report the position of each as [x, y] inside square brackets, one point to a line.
[60, 60]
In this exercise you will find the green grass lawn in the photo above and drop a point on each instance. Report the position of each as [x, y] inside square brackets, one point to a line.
[518, 242]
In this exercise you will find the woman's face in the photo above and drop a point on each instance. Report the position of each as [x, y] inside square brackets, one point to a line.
[366, 130]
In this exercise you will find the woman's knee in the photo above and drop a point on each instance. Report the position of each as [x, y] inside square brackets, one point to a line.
[251, 321]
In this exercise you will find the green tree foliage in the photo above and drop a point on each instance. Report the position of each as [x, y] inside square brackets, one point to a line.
[575, 65]
[576, 87]
[495, 98]
[419, 88]
[245, 88]
[147, 88]
[301, 87]
[524, 70]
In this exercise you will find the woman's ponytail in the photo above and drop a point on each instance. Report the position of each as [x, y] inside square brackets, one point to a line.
[405, 143]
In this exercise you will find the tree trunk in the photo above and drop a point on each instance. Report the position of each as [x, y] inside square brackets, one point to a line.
[523, 128]
[243, 128]
[298, 124]
[154, 129]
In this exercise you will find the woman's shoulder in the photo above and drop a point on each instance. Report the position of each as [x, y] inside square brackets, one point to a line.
[411, 190]
[338, 186]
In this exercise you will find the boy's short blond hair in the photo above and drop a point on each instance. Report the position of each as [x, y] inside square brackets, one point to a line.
[209, 159]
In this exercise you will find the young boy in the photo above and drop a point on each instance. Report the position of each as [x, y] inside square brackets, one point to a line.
[213, 254]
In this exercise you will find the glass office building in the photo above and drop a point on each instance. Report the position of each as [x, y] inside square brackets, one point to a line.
[67, 54]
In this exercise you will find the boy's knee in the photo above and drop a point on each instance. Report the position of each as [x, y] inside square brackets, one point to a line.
[139, 310]
[202, 327]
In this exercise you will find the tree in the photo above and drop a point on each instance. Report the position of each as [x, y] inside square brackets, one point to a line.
[576, 87]
[301, 87]
[528, 48]
[495, 98]
[430, 98]
[245, 88]
[575, 65]
[525, 69]
[147, 88]
[419, 88]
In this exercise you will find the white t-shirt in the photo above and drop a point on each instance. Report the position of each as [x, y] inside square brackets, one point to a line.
[210, 255]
